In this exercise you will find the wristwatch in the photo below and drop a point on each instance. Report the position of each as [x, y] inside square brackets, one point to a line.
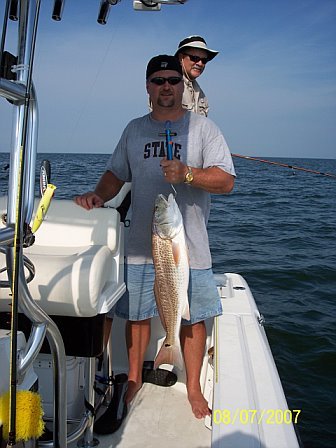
[189, 177]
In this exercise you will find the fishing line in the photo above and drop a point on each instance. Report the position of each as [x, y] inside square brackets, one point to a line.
[86, 97]
[285, 165]
[89, 92]
[174, 190]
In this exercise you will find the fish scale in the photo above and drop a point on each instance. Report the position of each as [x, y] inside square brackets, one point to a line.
[168, 278]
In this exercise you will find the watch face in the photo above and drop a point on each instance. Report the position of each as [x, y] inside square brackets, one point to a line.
[189, 177]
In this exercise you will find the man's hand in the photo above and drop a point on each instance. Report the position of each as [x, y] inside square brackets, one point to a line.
[89, 200]
[212, 179]
[174, 170]
[107, 187]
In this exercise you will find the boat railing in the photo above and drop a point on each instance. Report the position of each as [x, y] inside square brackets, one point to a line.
[22, 167]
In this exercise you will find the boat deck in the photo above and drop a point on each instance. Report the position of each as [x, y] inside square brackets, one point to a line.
[160, 417]
[242, 376]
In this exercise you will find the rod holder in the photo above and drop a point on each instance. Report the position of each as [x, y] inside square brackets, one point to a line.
[58, 10]
[104, 12]
[13, 10]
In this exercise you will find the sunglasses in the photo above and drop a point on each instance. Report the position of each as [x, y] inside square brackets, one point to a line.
[172, 80]
[196, 59]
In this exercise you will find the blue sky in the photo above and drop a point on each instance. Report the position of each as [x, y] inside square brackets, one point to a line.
[271, 89]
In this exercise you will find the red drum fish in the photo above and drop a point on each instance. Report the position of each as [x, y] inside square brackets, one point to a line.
[170, 256]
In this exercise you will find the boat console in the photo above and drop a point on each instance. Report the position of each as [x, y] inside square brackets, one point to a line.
[78, 276]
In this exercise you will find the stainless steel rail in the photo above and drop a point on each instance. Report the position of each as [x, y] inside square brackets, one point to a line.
[24, 132]
[12, 91]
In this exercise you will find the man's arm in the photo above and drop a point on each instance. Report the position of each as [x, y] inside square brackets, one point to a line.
[107, 187]
[212, 179]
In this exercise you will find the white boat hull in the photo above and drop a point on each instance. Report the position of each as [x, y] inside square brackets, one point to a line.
[240, 381]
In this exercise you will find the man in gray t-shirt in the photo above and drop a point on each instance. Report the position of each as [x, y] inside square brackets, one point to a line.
[201, 165]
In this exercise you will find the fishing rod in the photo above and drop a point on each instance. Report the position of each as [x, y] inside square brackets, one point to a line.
[18, 241]
[45, 176]
[294, 167]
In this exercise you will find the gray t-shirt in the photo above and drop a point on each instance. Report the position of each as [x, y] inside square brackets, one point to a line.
[198, 143]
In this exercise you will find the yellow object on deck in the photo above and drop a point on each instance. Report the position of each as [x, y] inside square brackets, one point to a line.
[29, 413]
[43, 207]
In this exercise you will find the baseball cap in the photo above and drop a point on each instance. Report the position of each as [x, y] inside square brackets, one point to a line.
[163, 62]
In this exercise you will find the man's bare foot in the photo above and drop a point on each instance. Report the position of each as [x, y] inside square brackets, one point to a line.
[199, 405]
[132, 389]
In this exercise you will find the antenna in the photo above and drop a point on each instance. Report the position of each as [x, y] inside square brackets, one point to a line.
[154, 5]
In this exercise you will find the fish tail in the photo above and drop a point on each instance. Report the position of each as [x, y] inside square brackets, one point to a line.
[169, 354]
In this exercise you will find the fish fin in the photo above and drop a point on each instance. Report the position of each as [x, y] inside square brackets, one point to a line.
[186, 311]
[169, 354]
[176, 252]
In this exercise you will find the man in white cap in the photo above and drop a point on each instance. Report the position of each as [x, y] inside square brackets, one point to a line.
[194, 54]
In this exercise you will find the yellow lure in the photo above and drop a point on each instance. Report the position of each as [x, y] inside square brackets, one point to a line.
[43, 207]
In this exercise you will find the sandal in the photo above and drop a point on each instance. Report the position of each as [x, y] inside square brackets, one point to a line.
[159, 377]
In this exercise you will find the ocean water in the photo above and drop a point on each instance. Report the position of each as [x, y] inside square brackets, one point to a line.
[277, 229]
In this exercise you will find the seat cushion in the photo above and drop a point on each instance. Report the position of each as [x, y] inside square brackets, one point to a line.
[78, 257]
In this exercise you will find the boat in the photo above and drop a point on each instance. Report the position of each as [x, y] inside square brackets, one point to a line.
[59, 282]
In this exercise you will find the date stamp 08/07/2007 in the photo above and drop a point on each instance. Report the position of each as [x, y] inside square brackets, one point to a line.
[255, 416]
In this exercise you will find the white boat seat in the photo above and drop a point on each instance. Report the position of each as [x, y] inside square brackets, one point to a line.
[78, 258]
